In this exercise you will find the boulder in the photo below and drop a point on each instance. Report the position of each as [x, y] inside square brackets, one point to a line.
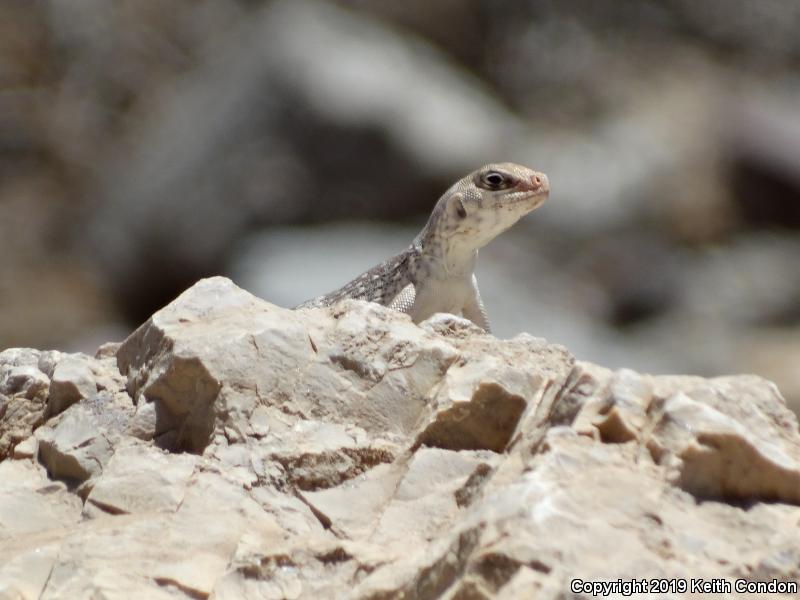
[233, 449]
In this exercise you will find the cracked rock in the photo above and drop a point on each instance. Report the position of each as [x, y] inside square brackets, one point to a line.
[71, 382]
[75, 448]
[230, 448]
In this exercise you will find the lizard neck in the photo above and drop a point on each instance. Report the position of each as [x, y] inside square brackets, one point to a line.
[445, 255]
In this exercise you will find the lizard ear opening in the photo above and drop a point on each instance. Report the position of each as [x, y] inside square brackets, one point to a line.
[456, 205]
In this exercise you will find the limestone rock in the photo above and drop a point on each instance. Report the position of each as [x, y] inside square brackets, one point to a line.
[141, 478]
[23, 395]
[31, 503]
[717, 447]
[74, 448]
[233, 449]
[35, 386]
[71, 381]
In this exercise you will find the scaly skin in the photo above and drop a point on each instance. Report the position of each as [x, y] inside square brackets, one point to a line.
[436, 272]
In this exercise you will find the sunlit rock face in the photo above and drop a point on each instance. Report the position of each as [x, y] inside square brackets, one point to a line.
[229, 448]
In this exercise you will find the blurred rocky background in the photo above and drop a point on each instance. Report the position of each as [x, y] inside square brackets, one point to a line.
[292, 144]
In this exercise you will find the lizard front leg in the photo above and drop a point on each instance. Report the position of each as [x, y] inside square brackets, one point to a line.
[474, 310]
[404, 301]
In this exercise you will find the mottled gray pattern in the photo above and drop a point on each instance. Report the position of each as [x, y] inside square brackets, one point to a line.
[435, 273]
[380, 284]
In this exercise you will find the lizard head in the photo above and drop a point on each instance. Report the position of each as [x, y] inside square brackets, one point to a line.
[488, 201]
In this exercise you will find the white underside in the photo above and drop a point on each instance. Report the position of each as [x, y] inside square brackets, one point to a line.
[441, 296]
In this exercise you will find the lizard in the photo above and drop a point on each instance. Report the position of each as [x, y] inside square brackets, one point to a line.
[436, 273]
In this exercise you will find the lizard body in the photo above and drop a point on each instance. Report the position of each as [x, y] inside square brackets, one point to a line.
[436, 272]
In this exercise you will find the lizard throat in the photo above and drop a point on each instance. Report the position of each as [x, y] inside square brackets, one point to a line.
[445, 256]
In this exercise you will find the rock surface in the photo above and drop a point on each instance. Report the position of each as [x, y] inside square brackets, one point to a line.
[233, 449]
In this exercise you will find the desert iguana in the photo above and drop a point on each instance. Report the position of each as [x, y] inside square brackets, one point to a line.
[436, 272]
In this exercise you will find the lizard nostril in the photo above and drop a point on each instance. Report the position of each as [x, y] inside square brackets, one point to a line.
[536, 181]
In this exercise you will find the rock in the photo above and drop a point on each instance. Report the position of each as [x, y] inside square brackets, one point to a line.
[426, 500]
[143, 423]
[24, 390]
[25, 575]
[182, 373]
[483, 396]
[76, 444]
[716, 448]
[107, 350]
[244, 450]
[26, 380]
[71, 381]
[75, 448]
[35, 386]
[140, 478]
[48, 360]
[31, 503]
[26, 448]
[191, 360]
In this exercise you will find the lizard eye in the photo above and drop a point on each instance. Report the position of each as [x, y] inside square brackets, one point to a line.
[494, 180]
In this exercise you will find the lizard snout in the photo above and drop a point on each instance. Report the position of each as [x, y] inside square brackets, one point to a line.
[538, 182]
